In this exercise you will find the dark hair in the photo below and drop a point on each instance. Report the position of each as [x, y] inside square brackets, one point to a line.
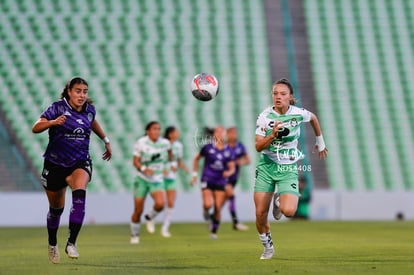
[207, 131]
[69, 85]
[168, 131]
[287, 83]
[149, 125]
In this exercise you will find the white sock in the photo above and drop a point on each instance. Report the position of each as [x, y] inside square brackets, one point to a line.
[167, 217]
[153, 214]
[135, 228]
[266, 239]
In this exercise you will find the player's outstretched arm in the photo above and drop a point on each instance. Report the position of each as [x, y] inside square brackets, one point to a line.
[320, 143]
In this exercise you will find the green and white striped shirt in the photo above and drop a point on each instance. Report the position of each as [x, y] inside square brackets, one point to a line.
[154, 155]
[283, 149]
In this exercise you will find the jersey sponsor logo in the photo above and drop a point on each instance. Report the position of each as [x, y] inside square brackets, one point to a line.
[293, 185]
[77, 134]
[155, 157]
[78, 131]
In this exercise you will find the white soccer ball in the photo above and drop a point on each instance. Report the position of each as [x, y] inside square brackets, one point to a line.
[204, 86]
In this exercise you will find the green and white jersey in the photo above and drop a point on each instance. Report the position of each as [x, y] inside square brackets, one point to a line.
[177, 151]
[283, 149]
[154, 155]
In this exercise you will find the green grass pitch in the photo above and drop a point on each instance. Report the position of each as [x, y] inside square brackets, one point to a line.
[301, 248]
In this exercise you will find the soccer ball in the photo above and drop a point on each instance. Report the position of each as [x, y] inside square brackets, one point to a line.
[204, 86]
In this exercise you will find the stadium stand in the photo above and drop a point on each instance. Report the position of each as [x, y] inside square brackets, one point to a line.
[362, 61]
[138, 57]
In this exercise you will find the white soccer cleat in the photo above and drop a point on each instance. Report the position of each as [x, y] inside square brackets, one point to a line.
[150, 226]
[268, 253]
[134, 240]
[240, 227]
[213, 236]
[277, 214]
[54, 255]
[165, 233]
[72, 251]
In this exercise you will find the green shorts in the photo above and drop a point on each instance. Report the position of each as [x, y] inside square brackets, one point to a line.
[142, 187]
[270, 175]
[170, 184]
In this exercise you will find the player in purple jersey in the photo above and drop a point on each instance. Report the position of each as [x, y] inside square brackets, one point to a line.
[69, 121]
[218, 166]
[241, 158]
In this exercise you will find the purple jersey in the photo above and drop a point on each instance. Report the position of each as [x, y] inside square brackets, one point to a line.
[215, 163]
[238, 151]
[69, 143]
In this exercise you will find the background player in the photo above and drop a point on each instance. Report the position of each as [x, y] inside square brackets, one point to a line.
[241, 158]
[172, 134]
[151, 153]
[218, 166]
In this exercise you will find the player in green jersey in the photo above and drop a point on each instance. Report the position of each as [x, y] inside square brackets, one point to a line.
[151, 155]
[277, 135]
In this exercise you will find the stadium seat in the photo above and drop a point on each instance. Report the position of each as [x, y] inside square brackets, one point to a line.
[139, 57]
[354, 46]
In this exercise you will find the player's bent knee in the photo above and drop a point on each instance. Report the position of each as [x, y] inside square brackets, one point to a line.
[288, 211]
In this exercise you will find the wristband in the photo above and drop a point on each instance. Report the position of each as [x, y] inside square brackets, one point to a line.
[143, 168]
[106, 140]
[320, 143]
[195, 174]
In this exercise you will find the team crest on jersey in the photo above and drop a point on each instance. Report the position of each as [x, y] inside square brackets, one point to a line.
[293, 122]
[90, 117]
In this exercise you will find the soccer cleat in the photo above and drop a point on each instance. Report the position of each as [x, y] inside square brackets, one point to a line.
[72, 251]
[165, 233]
[268, 253]
[277, 214]
[240, 227]
[150, 225]
[213, 236]
[54, 255]
[134, 240]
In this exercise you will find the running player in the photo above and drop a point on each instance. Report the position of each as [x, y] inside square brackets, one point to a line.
[151, 153]
[67, 162]
[172, 134]
[277, 134]
[218, 166]
[241, 158]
